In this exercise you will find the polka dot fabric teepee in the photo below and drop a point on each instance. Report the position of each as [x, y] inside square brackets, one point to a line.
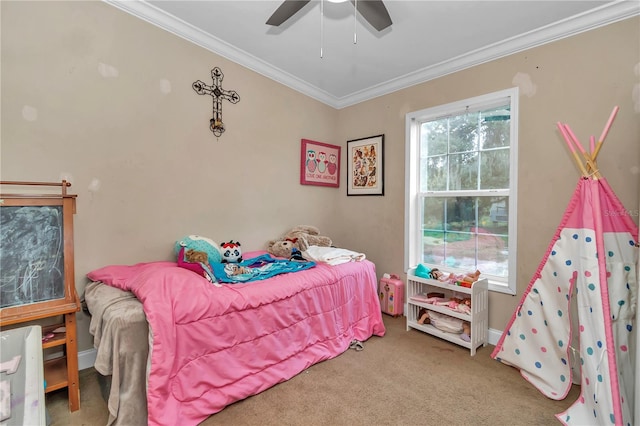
[574, 321]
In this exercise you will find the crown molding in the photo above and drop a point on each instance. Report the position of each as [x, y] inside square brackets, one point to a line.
[151, 14]
[598, 17]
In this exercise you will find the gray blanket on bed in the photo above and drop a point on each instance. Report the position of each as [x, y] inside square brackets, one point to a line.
[121, 338]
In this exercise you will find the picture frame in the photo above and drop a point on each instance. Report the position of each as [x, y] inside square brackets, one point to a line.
[365, 166]
[319, 163]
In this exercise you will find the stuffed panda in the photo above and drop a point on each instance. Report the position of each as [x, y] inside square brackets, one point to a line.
[231, 252]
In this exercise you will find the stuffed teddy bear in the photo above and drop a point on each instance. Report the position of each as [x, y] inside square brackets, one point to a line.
[285, 248]
[231, 252]
[311, 235]
[300, 238]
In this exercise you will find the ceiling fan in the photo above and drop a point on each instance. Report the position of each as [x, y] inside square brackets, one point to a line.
[374, 11]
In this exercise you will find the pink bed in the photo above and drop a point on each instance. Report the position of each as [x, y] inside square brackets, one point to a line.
[213, 346]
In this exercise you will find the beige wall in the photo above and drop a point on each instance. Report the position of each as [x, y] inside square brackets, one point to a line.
[96, 95]
[577, 81]
[93, 93]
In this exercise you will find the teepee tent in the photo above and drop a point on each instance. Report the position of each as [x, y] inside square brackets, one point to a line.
[574, 321]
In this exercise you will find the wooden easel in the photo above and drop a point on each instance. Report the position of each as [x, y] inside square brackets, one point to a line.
[22, 305]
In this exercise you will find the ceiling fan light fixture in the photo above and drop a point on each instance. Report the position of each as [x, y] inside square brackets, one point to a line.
[373, 11]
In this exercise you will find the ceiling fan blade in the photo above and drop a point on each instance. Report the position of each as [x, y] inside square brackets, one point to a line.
[375, 12]
[287, 9]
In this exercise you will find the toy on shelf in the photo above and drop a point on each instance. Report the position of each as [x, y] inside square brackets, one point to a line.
[449, 311]
[464, 280]
[457, 304]
[423, 316]
[437, 274]
[466, 331]
[423, 272]
[446, 323]
[440, 321]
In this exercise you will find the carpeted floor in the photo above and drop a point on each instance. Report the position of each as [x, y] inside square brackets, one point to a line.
[404, 378]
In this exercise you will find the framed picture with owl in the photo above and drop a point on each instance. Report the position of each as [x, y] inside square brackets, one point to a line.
[365, 161]
[319, 163]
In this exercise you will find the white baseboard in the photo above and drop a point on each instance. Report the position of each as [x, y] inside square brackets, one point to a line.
[86, 359]
[494, 336]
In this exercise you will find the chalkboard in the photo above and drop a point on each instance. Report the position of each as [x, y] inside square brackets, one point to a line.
[36, 254]
[31, 254]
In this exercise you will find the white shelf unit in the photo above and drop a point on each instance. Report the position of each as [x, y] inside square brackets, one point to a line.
[479, 317]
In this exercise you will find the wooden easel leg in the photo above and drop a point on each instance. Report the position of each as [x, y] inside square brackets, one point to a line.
[72, 362]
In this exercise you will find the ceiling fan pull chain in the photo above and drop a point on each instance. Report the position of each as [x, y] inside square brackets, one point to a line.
[355, 20]
[321, 26]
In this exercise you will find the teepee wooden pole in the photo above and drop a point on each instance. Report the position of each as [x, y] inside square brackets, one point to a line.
[592, 149]
[604, 132]
[584, 153]
[573, 150]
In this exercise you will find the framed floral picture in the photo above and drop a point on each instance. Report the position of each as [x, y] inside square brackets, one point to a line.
[319, 164]
[365, 160]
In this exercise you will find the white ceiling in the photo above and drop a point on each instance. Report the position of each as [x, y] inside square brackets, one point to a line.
[428, 39]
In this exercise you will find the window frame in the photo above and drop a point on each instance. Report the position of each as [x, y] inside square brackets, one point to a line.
[413, 207]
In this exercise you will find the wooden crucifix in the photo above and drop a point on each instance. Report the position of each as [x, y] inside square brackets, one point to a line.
[218, 94]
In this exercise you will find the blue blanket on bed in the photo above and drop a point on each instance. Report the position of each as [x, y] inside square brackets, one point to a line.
[257, 268]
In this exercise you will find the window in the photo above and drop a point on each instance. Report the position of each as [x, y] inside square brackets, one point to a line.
[461, 188]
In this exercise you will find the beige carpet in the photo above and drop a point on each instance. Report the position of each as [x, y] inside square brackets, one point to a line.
[404, 378]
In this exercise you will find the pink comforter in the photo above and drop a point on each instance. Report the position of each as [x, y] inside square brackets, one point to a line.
[213, 346]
